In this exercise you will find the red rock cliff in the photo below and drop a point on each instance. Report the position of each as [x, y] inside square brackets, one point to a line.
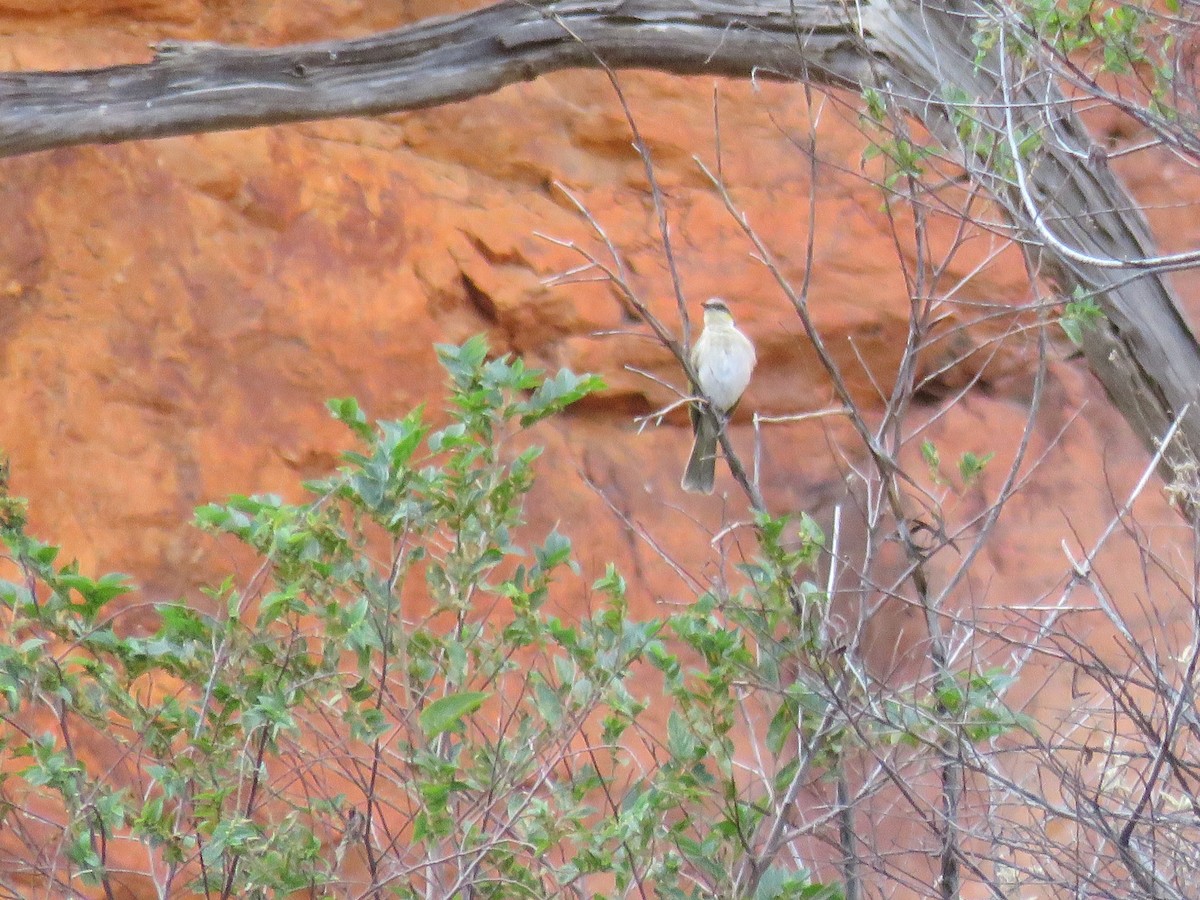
[174, 313]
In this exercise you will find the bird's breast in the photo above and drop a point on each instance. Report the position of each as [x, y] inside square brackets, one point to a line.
[723, 365]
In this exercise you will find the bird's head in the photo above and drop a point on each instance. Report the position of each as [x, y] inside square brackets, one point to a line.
[716, 312]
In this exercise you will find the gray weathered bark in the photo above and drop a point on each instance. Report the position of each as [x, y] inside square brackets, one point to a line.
[921, 54]
[206, 87]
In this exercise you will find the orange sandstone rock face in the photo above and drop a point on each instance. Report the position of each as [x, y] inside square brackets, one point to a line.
[174, 313]
[178, 310]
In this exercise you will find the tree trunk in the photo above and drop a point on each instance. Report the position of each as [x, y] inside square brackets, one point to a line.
[1073, 217]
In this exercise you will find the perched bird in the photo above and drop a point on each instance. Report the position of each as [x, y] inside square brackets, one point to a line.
[723, 359]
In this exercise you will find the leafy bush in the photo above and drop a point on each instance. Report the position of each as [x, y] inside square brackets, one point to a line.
[388, 707]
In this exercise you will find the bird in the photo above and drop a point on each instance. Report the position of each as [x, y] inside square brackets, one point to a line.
[723, 359]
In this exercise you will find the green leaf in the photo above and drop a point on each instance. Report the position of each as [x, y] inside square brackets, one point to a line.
[929, 453]
[462, 362]
[680, 740]
[557, 393]
[447, 712]
[362, 690]
[784, 725]
[94, 594]
[812, 537]
[41, 553]
[1079, 315]
[178, 623]
[449, 437]
[970, 466]
[401, 438]
[546, 702]
[554, 552]
[347, 411]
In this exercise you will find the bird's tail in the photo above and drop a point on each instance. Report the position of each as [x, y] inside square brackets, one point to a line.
[701, 469]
